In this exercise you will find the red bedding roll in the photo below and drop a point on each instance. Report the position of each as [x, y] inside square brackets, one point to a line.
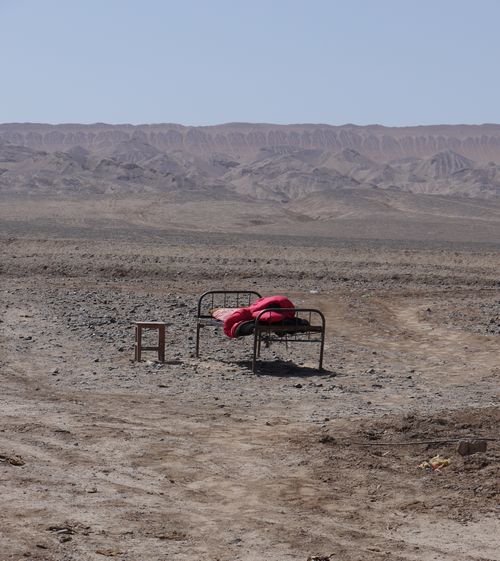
[240, 315]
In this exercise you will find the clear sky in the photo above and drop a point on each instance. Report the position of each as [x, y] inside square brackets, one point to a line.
[200, 62]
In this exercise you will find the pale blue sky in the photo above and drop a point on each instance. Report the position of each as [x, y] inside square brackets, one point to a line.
[392, 62]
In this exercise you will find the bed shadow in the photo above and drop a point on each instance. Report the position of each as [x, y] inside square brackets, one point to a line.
[282, 368]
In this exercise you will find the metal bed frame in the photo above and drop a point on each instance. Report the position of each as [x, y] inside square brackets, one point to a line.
[263, 332]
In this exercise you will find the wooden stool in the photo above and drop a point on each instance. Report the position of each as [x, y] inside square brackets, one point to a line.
[160, 326]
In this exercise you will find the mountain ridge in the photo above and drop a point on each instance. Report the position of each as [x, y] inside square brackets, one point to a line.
[477, 142]
[281, 173]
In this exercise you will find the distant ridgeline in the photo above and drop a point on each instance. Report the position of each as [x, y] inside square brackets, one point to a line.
[260, 161]
[242, 140]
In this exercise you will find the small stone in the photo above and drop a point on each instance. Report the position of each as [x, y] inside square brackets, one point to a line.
[468, 447]
[65, 538]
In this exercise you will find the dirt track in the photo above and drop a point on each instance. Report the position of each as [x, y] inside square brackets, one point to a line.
[201, 459]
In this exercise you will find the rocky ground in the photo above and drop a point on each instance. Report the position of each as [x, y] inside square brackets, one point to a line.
[202, 459]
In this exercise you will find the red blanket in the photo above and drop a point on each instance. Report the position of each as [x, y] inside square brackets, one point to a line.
[240, 315]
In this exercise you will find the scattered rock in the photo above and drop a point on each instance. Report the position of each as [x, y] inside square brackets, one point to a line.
[328, 439]
[12, 460]
[109, 552]
[173, 535]
[65, 538]
[61, 529]
[469, 447]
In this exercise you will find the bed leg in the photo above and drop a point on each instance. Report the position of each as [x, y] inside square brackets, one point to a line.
[197, 340]
[256, 337]
[322, 348]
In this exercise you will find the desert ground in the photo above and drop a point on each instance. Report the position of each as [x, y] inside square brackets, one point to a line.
[199, 458]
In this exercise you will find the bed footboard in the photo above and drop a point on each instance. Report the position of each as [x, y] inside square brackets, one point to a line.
[313, 331]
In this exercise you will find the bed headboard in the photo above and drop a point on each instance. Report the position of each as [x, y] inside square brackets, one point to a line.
[225, 299]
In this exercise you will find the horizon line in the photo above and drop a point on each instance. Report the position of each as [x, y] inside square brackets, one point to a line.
[242, 123]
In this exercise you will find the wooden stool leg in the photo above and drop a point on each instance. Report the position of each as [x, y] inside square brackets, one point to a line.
[161, 343]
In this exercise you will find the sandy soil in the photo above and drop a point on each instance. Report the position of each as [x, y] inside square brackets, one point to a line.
[201, 459]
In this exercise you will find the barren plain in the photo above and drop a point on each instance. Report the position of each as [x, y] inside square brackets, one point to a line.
[199, 458]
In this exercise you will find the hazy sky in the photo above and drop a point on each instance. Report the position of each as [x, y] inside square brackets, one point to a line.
[392, 62]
